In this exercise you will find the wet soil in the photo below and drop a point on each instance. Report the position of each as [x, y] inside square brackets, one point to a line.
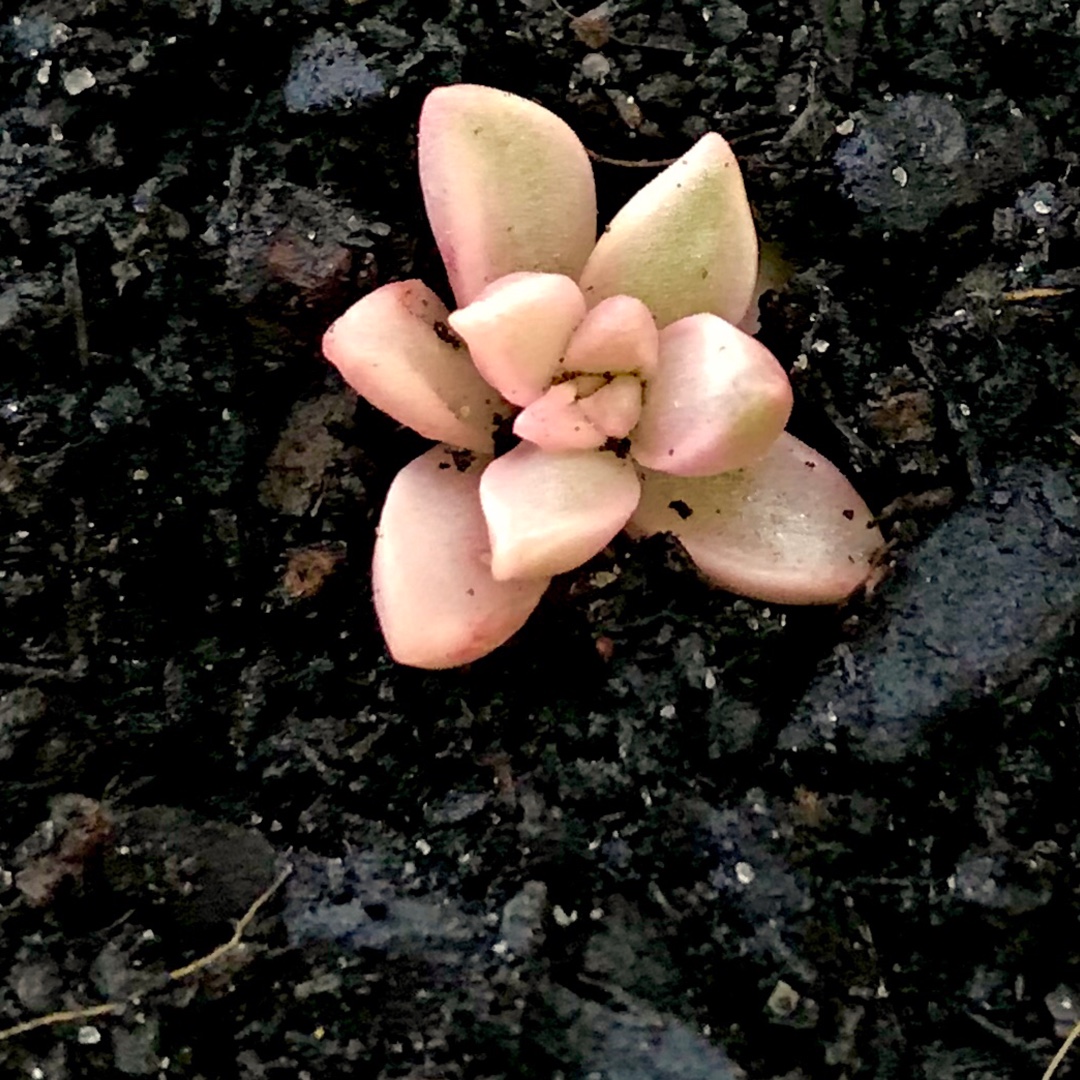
[664, 832]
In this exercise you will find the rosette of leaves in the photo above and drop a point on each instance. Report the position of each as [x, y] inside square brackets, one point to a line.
[619, 365]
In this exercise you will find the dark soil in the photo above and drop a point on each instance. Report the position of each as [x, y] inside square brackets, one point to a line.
[664, 832]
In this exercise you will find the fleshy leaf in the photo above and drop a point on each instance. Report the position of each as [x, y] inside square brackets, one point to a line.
[789, 529]
[437, 602]
[388, 349]
[556, 422]
[549, 512]
[717, 401]
[618, 335]
[507, 186]
[616, 407]
[685, 243]
[517, 330]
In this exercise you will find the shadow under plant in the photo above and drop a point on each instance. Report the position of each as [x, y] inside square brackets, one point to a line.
[663, 832]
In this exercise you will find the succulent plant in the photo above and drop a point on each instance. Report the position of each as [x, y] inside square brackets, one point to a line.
[618, 363]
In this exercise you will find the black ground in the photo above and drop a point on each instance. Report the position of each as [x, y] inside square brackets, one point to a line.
[664, 833]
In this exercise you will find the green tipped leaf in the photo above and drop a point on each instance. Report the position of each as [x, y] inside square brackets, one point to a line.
[507, 186]
[684, 244]
[789, 529]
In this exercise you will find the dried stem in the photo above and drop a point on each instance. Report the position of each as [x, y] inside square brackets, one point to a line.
[112, 1008]
[1059, 1057]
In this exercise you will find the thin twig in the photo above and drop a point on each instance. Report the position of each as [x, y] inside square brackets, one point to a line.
[1059, 1057]
[235, 941]
[662, 164]
[67, 1017]
[1018, 296]
[112, 1008]
[760, 134]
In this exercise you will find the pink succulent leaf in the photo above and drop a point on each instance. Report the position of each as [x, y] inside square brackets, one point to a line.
[685, 243]
[618, 335]
[388, 348]
[548, 513]
[718, 400]
[556, 422]
[507, 186]
[437, 602]
[615, 408]
[517, 330]
[789, 529]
